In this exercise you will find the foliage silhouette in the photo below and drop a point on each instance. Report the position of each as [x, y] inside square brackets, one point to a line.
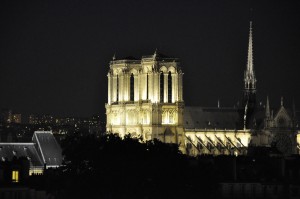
[114, 167]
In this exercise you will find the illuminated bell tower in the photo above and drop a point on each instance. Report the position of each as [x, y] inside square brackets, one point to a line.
[145, 98]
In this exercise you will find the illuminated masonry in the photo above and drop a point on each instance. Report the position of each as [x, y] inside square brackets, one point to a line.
[145, 98]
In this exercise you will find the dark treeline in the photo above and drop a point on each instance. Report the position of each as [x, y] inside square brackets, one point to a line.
[111, 167]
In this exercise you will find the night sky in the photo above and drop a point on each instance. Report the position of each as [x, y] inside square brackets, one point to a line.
[55, 54]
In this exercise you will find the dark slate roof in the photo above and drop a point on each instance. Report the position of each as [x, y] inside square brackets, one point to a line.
[129, 58]
[211, 118]
[160, 57]
[10, 150]
[257, 119]
[48, 148]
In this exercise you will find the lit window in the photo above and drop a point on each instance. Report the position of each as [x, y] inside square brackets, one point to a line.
[15, 176]
[161, 88]
[131, 87]
[169, 88]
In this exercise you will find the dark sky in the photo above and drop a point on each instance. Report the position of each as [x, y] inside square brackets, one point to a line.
[55, 54]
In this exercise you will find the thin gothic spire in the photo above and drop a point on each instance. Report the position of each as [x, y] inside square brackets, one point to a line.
[250, 80]
[250, 52]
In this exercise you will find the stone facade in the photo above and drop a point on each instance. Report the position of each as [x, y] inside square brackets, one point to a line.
[145, 98]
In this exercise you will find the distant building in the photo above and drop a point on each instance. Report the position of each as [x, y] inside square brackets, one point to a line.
[42, 152]
[32, 119]
[145, 99]
[43, 119]
[6, 116]
[16, 118]
[14, 171]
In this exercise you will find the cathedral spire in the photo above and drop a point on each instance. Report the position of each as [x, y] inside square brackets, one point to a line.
[250, 53]
[249, 75]
[250, 80]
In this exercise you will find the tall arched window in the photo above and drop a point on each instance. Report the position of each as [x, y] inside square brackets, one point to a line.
[169, 87]
[117, 88]
[147, 88]
[131, 87]
[161, 87]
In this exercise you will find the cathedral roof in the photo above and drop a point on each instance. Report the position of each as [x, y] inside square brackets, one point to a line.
[49, 149]
[157, 55]
[211, 118]
[43, 149]
[28, 150]
[160, 57]
[129, 58]
[257, 119]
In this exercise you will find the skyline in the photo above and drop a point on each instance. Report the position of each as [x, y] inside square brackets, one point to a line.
[47, 67]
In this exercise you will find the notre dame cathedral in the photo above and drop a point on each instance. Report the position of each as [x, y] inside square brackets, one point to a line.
[145, 98]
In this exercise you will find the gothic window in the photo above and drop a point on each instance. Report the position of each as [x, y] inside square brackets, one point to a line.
[161, 88]
[170, 88]
[147, 86]
[117, 88]
[131, 87]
